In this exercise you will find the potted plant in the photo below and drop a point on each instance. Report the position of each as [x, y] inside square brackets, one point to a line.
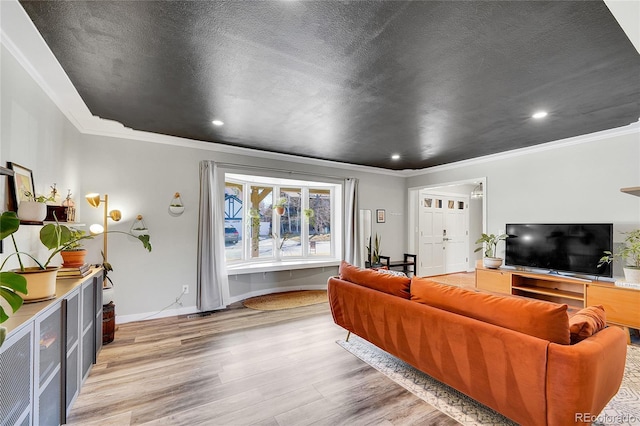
[176, 207]
[490, 242]
[373, 252]
[41, 279]
[74, 254]
[631, 252]
[279, 205]
[34, 208]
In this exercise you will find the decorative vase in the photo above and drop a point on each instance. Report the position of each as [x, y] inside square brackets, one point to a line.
[73, 258]
[32, 211]
[41, 283]
[632, 275]
[492, 262]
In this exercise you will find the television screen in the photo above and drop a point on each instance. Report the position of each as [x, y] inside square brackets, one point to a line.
[575, 248]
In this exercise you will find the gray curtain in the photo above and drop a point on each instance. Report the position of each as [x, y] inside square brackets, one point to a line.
[212, 271]
[352, 240]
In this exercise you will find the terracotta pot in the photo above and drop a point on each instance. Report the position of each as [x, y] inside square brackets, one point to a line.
[41, 283]
[73, 258]
[280, 210]
[492, 262]
[32, 211]
[632, 275]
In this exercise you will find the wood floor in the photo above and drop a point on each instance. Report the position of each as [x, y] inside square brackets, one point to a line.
[242, 366]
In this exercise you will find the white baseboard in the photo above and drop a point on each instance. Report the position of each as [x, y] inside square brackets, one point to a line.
[186, 310]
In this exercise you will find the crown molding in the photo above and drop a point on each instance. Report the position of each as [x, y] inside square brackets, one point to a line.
[633, 128]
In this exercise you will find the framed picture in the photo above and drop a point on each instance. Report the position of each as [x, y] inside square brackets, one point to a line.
[380, 216]
[21, 182]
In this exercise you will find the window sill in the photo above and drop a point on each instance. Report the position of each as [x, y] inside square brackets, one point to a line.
[284, 265]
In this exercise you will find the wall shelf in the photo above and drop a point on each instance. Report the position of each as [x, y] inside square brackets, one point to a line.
[633, 190]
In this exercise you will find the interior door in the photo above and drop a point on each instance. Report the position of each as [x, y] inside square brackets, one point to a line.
[443, 234]
[431, 232]
[456, 240]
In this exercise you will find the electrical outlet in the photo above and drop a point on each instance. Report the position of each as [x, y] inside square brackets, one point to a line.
[185, 289]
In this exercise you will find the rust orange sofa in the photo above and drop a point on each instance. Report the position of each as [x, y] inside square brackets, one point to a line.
[509, 353]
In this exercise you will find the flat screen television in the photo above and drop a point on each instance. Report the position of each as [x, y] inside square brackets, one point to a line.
[561, 247]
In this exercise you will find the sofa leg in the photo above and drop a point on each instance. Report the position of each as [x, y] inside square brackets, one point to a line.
[348, 335]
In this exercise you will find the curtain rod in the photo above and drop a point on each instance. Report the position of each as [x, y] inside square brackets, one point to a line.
[282, 171]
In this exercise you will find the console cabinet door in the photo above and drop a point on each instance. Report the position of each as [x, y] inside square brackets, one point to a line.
[16, 363]
[48, 361]
[622, 305]
[495, 281]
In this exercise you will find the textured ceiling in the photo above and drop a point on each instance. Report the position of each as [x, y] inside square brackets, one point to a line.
[436, 82]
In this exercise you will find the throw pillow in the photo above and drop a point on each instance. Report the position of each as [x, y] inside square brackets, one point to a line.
[545, 320]
[587, 322]
[390, 272]
[387, 283]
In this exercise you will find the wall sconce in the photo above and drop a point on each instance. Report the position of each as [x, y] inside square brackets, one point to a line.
[176, 208]
[115, 215]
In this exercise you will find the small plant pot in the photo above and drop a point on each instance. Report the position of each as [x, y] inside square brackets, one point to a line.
[138, 232]
[176, 209]
[492, 262]
[279, 210]
[632, 275]
[32, 211]
[73, 258]
[41, 283]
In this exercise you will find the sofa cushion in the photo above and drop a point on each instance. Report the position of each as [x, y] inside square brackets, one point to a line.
[587, 322]
[390, 284]
[548, 321]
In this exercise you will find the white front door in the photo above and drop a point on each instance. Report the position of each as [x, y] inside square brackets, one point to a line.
[443, 234]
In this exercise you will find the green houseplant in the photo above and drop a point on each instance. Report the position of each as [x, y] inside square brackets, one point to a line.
[74, 254]
[373, 250]
[490, 243]
[34, 208]
[279, 205]
[40, 279]
[630, 252]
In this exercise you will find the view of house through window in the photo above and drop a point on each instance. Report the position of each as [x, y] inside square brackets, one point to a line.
[272, 219]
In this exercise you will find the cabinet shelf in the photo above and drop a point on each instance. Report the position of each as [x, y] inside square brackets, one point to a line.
[551, 292]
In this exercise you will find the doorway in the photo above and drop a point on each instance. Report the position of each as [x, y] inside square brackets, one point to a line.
[444, 223]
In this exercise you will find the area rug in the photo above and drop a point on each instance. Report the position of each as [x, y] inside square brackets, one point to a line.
[286, 300]
[623, 409]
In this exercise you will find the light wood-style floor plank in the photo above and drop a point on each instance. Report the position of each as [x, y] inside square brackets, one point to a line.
[242, 367]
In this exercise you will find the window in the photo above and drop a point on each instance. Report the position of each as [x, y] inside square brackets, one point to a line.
[272, 220]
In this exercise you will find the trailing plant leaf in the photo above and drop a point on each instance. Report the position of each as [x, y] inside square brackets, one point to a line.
[9, 223]
[145, 241]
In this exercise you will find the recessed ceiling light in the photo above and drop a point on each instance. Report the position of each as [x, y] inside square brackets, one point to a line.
[217, 122]
[395, 157]
[540, 114]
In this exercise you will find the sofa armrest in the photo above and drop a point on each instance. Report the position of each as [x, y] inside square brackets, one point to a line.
[582, 378]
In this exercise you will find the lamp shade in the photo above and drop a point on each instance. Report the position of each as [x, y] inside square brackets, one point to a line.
[96, 229]
[93, 199]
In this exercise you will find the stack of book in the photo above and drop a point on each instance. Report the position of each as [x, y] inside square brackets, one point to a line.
[77, 272]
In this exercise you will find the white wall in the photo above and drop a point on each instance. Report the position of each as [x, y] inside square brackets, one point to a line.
[36, 135]
[565, 182]
[141, 178]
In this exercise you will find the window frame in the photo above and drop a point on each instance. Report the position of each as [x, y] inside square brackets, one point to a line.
[247, 264]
